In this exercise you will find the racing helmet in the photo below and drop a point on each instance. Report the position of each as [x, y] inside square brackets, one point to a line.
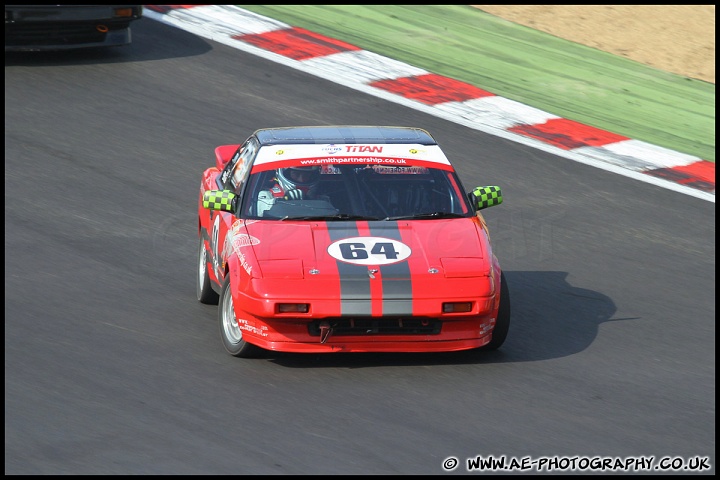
[301, 178]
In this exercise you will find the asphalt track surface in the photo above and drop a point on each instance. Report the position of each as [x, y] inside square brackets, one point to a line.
[113, 367]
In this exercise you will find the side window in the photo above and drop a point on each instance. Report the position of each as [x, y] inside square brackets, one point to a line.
[242, 166]
[224, 180]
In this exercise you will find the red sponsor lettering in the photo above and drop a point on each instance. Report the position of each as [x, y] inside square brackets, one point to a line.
[364, 148]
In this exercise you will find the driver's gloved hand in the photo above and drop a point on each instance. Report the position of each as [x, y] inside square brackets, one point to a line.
[294, 194]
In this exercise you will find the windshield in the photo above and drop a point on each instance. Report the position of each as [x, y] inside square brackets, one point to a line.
[365, 191]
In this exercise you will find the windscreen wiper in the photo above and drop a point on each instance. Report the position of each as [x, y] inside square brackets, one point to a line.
[334, 217]
[425, 216]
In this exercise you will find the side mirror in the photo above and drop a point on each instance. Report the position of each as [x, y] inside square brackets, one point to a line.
[484, 197]
[223, 200]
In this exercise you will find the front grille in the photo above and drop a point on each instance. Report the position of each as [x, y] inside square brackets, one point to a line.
[378, 326]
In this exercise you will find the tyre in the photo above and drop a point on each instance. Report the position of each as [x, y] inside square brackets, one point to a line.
[205, 293]
[502, 323]
[230, 332]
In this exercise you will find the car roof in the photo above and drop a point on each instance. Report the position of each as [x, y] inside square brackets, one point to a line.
[344, 134]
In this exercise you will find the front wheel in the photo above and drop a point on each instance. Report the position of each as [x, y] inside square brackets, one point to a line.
[205, 293]
[502, 322]
[230, 332]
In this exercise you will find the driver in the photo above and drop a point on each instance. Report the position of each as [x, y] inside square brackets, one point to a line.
[291, 183]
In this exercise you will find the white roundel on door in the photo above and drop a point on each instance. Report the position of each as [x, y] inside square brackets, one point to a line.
[369, 250]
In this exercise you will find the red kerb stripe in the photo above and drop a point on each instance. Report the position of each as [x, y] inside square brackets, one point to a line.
[431, 89]
[296, 43]
[568, 134]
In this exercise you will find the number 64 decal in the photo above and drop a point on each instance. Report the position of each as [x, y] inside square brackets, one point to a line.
[369, 250]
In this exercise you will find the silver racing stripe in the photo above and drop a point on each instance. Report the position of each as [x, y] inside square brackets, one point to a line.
[354, 280]
[396, 278]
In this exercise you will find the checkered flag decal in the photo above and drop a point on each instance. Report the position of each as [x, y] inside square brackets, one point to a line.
[218, 200]
[487, 196]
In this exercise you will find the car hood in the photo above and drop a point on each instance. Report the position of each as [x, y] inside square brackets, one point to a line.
[445, 248]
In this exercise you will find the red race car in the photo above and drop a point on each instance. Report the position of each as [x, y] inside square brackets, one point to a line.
[347, 239]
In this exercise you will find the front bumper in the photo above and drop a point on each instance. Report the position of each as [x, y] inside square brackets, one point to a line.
[367, 334]
[53, 27]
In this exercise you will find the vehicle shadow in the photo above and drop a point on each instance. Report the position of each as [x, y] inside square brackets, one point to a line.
[151, 40]
[550, 319]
